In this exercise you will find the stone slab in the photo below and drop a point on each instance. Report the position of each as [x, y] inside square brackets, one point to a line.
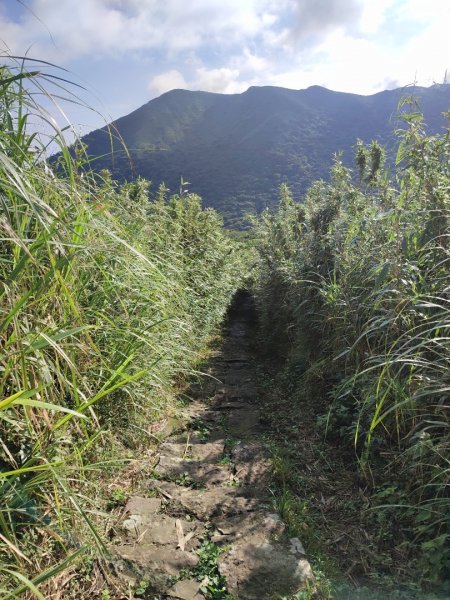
[162, 530]
[208, 452]
[139, 505]
[252, 464]
[187, 589]
[208, 503]
[245, 525]
[204, 474]
[158, 565]
[258, 569]
[244, 422]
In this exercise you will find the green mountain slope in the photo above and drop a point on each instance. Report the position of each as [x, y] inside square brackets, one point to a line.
[235, 150]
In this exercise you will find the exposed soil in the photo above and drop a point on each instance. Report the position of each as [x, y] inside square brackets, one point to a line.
[210, 482]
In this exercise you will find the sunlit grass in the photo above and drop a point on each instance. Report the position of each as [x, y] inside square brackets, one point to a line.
[104, 300]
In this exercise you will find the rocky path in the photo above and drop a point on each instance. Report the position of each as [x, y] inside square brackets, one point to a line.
[206, 521]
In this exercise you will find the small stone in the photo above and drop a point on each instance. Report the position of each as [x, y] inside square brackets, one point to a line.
[297, 547]
[172, 425]
[132, 523]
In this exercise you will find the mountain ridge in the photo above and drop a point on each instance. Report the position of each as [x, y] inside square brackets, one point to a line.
[236, 149]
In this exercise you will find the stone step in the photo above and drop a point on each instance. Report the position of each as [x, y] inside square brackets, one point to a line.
[208, 503]
[198, 493]
[258, 568]
[244, 422]
[207, 452]
[153, 563]
[231, 528]
[252, 466]
[162, 530]
[231, 404]
[187, 589]
[244, 391]
[155, 546]
[195, 473]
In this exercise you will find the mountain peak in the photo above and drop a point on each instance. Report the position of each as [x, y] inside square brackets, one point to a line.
[318, 88]
[236, 149]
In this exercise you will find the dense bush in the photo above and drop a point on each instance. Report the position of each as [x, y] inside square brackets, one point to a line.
[105, 299]
[356, 281]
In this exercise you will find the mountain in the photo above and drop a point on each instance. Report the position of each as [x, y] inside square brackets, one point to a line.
[236, 150]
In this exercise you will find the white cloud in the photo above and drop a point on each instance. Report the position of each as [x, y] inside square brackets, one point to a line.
[374, 15]
[426, 56]
[424, 12]
[348, 45]
[69, 29]
[318, 17]
[224, 80]
[164, 82]
[364, 65]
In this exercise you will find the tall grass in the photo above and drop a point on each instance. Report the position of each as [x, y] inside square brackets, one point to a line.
[104, 299]
[359, 275]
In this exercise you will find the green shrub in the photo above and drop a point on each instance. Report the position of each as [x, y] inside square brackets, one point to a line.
[357, 280]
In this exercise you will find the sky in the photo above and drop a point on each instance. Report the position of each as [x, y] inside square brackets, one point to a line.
[126, 52]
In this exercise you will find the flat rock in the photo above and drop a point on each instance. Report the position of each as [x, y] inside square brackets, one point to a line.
[258, 569]
[201, 473]
[172, 425]
[244, 422]
[252, 465]
[163, 530]
[211, 416]
[187, 589]
[238, 378]
[218, 435]
[211, 452]
[241, 391]
[146, 507]
[249, 452]
[157, 564]
[245, 525]
[208, 452]
[187, 437]
[174, 449]
[208, 503]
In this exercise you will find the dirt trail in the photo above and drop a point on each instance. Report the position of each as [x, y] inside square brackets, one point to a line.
[211, 483]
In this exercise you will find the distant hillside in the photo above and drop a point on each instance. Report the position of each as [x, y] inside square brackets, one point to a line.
[235, 150]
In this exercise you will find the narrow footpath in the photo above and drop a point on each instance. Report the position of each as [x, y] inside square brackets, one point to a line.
[207, 520]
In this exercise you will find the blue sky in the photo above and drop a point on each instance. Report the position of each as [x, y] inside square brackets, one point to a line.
[126, 52]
